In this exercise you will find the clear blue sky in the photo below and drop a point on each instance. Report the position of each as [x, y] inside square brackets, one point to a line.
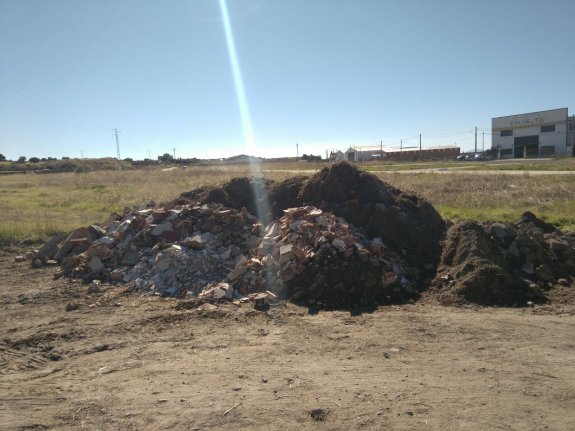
[326, 74]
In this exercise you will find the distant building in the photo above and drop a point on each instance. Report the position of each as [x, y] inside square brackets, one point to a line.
[369, 153]
[536, 134]
[336, 156]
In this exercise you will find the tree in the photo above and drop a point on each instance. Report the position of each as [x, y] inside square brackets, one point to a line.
[21, 159]
[2, 157]
[311, 158]
[33, 159]
[166, 157]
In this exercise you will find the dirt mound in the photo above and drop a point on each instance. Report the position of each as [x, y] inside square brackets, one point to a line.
[406, 222]
[284, 195]
[504, 263]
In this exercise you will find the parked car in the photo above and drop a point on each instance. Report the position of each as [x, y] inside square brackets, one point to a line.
[461, 157]
[480, 157]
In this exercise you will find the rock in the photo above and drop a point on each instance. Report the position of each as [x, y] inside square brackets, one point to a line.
[376, 247]
[319, 415]
[106, 240]
[99, 250]
[294, 213]
[563, 282]
[97, 231]
[37, 263]
[218, 292]
[237, 272]
[503, 232]
[19, 259]
[285, 253]
[161, 228]
[195, 243]
[560, 247]
[71, 306]
[513, 250]
[543, 272]
[528, 268]
[94, 288]
[131, 258]
[117, 275]
[339, 244]
[173, 214]
[537, 234]
[49, 250]
[389, 278]
[78, 237]
[95, 264]
[70, 262]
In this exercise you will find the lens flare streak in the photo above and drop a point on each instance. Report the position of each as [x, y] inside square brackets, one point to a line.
[249, 136]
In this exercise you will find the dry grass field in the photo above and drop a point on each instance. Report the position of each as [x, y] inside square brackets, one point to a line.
[35, 206]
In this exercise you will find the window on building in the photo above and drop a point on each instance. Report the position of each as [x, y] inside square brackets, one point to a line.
[506, 132]
[506, 152]
[547, 150]
[546, 129]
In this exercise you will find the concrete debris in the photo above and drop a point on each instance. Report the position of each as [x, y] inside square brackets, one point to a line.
[216, 253]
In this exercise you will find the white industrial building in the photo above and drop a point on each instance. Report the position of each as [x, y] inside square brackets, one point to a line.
[537, 134]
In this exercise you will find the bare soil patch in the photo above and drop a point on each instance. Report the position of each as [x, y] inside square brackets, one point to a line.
[119, 361]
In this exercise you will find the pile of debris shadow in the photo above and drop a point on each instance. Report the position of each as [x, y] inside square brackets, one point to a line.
[338, 239]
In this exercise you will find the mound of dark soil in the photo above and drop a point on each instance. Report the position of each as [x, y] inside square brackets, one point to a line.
[473, 268]
[504, 263]
[285, 194]
[407, 223]
[335, 281]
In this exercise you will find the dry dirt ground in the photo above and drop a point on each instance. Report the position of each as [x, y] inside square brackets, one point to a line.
[71, 359]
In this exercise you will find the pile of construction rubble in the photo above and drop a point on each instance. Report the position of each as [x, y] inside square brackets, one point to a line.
[336, 239]
[213, 252]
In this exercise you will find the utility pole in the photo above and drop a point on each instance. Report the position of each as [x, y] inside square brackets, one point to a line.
[420, 144]
[483, 143]
[297, 150]
[476, 139]
[401, 145]
[82, 153]
[174, 153]
[118, 149]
